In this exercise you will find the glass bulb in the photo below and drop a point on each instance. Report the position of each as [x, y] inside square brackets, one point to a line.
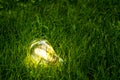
[41, 52]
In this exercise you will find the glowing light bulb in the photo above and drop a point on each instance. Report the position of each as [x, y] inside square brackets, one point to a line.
[41, 52]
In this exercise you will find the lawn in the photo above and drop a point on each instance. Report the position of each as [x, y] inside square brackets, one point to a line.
[84, 33]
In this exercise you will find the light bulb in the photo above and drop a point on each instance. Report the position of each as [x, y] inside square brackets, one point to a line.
[42, 53]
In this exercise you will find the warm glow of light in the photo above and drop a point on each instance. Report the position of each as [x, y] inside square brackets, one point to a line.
[42, 53]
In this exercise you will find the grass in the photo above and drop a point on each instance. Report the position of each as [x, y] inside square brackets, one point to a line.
[86, 34]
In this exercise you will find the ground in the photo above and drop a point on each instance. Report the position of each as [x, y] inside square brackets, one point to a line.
[85, 33]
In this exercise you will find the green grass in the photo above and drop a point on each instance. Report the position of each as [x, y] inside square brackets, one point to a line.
[86, 34]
